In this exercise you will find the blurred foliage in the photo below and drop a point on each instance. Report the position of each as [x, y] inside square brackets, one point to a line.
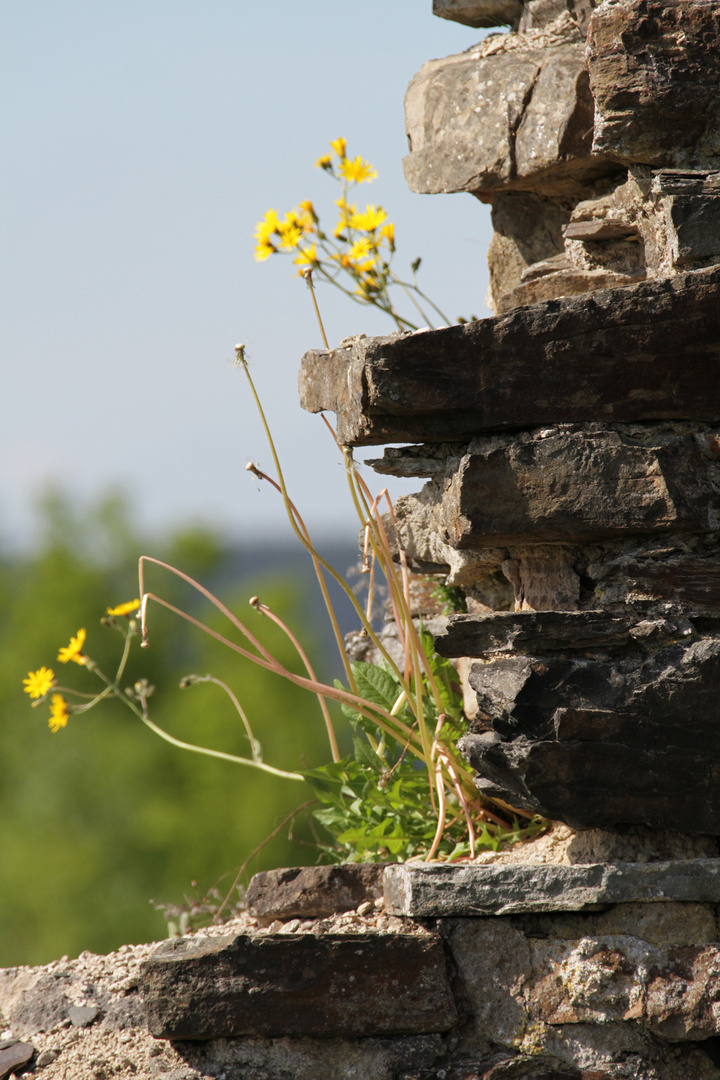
[101, 817]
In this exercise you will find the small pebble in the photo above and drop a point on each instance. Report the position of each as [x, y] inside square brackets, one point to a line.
[47, 1057]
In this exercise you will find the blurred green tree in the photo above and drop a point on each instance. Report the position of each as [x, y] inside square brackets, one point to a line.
[102, 816]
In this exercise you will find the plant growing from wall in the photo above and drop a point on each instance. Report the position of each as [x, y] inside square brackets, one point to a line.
[404, 791]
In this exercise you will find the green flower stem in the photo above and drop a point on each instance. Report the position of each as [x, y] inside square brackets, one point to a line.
[400, 321]
[376, 713]
[306, 542]
[241, 712]
[220, 754]
[318, 573]
[407, 289]
[263, 609]
[311, 287]
[364, 515]
[426, 298]
[112, 688]
[405, 623]
[403, 618]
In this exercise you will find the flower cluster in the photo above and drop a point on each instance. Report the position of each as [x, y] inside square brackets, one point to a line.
[357, 255]
[39, 683]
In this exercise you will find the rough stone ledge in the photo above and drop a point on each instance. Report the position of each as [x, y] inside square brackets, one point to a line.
[303, 985]
[440, 890]
[528, 631]
[643, 352]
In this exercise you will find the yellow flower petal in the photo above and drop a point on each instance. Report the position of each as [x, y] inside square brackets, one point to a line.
[388, 231]
[59, 713]
[356, 170]
[39, 682]
[263, 251]
[267, 226]
[73, 651]
[127, 608]
[307, 257]
[338, 146]
[371, 218]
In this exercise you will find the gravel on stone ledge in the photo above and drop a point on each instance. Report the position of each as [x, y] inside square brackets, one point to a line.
[117, 1043]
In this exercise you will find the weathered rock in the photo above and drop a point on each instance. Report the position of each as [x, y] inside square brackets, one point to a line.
[672, 991]
[480, 12]
[663, 924]
[83, 1015]
[331, 985]
[14, 1056]
[39, 1004]
[652, 221]
[673, 577]
[310, 892]
[528, 232]
[532, 632]
[493, 961]
[424, 890]
[637, 843]
[568, 282]
[654, 70]
[574, 487]
[512, 112]
[599, 744]
[646, 352]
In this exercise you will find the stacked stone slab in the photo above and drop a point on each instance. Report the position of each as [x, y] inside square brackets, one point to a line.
[571, 444]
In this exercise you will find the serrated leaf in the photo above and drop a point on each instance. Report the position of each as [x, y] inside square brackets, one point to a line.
[375, 685]
[365, 755]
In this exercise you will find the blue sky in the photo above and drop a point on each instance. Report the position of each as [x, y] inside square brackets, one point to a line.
[142, 141]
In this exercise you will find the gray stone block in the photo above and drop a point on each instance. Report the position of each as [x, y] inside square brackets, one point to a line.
[298, 984]
[428, 890]
[502, 117]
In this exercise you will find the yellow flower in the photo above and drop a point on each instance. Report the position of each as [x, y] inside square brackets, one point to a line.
[338, 146]
[356, 170]
[307, 257]
[262, 251]
[388, 231]
[361, 248]
[290, 236]
[346, 213]
[124, 609]
[369, 220]
[308, 208]
[59, 713]
[265, 228]
[39, 682]
[324, 162]
[344, 260]
[73, 651]
[292, 228]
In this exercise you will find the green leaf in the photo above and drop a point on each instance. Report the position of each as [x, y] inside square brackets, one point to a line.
[376, 685]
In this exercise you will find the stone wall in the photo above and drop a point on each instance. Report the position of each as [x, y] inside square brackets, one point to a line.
[619, 990]
[571, 451]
